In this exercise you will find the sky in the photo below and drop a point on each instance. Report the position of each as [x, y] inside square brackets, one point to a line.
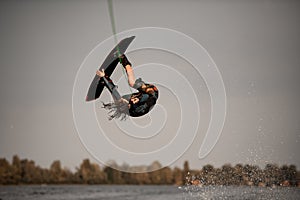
[254, 44]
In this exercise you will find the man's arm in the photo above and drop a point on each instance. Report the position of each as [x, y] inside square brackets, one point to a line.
[127, 65]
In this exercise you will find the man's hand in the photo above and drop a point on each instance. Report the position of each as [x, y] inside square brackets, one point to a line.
[122, 100]
[100, 73]
[134, 100]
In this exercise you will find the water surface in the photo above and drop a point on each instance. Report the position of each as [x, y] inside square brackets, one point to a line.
[132, 192]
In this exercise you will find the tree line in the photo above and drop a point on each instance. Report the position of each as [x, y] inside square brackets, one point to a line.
[24, 171]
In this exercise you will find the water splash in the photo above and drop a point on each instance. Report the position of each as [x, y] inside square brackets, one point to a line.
[192, 192]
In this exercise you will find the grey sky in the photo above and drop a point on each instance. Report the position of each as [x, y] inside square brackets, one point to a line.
[255, 44]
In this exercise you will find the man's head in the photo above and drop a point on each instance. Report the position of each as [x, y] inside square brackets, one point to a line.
[150, 89]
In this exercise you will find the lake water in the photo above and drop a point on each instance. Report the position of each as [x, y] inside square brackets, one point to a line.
[127, 192]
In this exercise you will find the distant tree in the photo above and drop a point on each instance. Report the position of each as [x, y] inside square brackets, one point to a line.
[272, 174]
[288, 173]
[16, 169]
[38, 176]
[98, 175]
[56, 172]
[154, 166]
[142, 178]
[186, 167]
[136, 178]
[46, 176]
[256, 175]
[292, 174]
[90, 173]
[219, 179]
[166, 176]
[155, 174]
[5, 172]
[207, 175]
[227, 173]
[85, 171]
[113, 176]
[186, 170]
[177, 176]
[155, 177]
[67, 176]
[29, 173]
[207, 168]
[238, 174]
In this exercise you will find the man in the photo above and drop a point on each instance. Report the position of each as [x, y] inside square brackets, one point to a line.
[134, 105]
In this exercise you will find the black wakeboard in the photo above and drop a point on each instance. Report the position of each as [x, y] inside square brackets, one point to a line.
[109, 65]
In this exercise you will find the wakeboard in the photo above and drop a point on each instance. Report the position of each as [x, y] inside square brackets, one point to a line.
[109, 65]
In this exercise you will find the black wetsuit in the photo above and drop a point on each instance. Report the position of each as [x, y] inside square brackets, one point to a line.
[146, 100]
[142, 107]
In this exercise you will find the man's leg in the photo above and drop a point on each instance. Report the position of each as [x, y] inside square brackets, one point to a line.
[120, 107]
[130, 75]
[127, 65]
[112, 88]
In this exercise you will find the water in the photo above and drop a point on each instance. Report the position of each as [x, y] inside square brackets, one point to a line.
[240, 192]
[125, 192]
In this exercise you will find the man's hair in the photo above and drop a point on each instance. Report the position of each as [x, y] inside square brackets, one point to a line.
[117, 110]
[150, 86]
